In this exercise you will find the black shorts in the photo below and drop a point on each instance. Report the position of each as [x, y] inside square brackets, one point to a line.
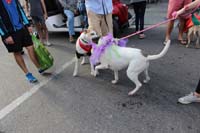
[21, 38]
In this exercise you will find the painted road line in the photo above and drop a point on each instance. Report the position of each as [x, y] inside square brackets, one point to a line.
[14, 104]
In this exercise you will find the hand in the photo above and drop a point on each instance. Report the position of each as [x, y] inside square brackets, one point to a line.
[30, 29]
[175, 14]
[9, 40]
[75, 12]
[45, 16]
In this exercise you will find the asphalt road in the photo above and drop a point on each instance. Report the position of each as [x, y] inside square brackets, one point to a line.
[62, 103]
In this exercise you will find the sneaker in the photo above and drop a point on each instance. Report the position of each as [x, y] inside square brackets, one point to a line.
[31, 78]
[189, 99]
[48, 44]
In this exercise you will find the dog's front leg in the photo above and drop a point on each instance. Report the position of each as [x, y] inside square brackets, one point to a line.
[92, 69]
[83, 61]
[190, 32]
[75, 67]
[197, 42]
[101, 66]
[116, 76]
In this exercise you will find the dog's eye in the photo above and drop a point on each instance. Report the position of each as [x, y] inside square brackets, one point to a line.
[92, 34]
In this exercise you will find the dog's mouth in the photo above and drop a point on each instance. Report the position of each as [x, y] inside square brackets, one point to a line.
[95, 39]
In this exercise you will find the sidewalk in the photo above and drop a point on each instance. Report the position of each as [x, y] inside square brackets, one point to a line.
[156, 12]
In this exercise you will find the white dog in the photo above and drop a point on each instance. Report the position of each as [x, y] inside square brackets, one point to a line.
[117, 58]
[84, 49]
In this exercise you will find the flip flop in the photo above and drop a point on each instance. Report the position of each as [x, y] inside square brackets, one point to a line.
[183, 42]
[142, 36]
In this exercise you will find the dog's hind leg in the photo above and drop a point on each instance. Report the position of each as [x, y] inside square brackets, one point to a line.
[134, 78]
[116, 75]
[147, 78]
[133, 71]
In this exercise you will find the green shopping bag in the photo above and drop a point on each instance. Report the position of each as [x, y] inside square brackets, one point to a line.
[45, 59]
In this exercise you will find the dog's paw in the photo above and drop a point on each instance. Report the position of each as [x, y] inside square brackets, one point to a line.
[187, 46]
[131, 93]
[83, 62]
[114, 81]
[75, 75]
[94, 73]
[146, 81]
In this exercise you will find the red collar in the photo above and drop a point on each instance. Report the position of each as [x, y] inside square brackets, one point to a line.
[87, 48]
[8, 1]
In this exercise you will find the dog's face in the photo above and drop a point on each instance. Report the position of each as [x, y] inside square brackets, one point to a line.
[88, 36]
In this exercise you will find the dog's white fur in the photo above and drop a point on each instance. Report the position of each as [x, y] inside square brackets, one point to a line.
[194, 32]
[85, 38]
[128, 57]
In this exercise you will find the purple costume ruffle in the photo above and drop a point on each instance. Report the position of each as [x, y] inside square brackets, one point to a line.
[98, 50]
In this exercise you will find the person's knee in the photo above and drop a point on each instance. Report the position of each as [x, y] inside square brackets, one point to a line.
[17, 54]
[30, 48]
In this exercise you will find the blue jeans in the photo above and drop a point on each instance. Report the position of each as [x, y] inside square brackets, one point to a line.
[70, 20]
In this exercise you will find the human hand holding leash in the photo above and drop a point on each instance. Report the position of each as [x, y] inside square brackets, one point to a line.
[30, 29]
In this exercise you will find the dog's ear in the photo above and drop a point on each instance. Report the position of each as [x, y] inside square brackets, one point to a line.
[85, 31]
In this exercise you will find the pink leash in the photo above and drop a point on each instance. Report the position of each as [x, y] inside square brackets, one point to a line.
[148, 28]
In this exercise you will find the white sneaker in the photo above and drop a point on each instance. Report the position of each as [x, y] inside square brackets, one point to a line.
[48, 44]
[189, 99]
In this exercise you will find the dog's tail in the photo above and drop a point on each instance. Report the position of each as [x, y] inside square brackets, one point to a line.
[161, 54]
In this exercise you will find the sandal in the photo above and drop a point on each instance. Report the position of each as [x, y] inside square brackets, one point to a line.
[183, 42]
[142, 36]
[71, 39]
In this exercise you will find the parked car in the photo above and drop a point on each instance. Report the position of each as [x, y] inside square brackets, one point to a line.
[56, 21]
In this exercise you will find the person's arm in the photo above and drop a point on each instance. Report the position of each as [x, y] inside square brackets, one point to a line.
[27, 8]
[44, 9]
[190, 6]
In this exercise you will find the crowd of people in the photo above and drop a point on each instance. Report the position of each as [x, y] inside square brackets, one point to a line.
[15, 28]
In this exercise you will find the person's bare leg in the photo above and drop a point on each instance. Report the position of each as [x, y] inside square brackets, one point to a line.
[45, 33]
[39, 30]
[32, 56]
[181, 29]
[20, 61]
[170, 27]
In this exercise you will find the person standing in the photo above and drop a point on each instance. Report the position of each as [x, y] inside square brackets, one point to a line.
[139, 7]
[70, 9]
[38, 14]
[99, 14]
[15, 33]
[175, 5]
[193, 96]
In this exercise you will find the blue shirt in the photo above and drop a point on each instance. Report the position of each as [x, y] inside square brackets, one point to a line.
[96, 6]
[13, 13]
